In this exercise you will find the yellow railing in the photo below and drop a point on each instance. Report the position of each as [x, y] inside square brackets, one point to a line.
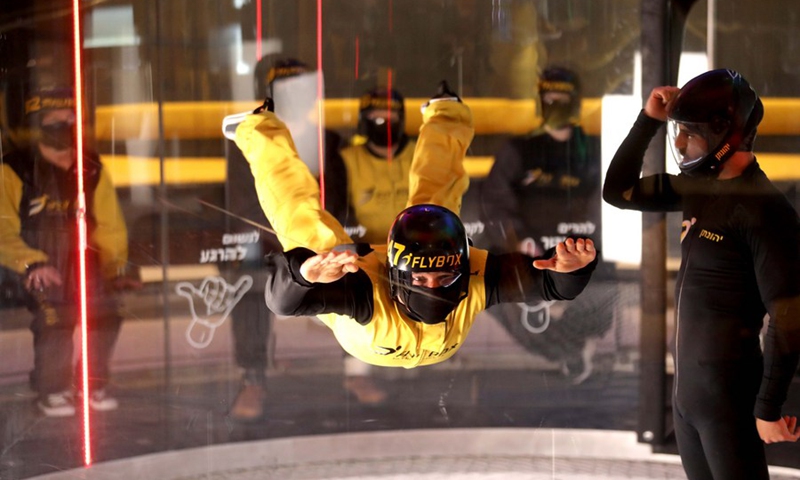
[202, 120]
[129, 171]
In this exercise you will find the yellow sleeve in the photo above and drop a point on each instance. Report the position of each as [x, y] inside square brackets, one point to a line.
[437, 172]
[15, 254]
[110, 236]
[288, 193]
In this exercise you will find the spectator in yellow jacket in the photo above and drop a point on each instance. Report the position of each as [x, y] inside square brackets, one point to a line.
[39, 241]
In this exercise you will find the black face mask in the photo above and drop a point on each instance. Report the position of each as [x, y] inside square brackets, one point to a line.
[379, 134]
[431, 305]
[557, 115]
[60, 136]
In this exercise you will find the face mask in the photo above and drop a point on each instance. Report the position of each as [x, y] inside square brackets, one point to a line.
[432, 305]
[557, 115]
[60, 136]
[378, 133]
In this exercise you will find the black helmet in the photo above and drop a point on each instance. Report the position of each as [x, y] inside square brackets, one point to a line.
[61, 135]
[286, 68]
[24, 106]
[561, 80]
[266, 74]
[293, 86]
[379, 132]
[51, 98]
[423, 239]
[720, 107]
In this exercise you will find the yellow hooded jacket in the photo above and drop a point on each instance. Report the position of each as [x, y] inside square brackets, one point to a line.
[289, 196]
[358, 308]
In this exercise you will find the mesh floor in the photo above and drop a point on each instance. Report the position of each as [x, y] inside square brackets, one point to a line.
[477, 454]
[466, 468]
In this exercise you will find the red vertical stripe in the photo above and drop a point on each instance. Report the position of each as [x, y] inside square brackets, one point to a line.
[259, 30]
[389, 115]
[320, 108]
[358, 53]
[81, 219]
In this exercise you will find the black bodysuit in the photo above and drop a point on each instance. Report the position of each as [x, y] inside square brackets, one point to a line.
[739, 261]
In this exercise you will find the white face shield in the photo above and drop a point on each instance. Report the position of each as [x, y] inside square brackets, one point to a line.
[296, 103]
[692, 144]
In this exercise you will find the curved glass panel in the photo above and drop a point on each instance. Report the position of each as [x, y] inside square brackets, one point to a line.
[184, 359]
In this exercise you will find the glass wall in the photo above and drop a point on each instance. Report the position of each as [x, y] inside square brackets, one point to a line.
[182, 349]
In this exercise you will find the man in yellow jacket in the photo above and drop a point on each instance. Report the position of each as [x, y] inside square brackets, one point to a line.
[378, 168]
[411, 302]
[39, 242]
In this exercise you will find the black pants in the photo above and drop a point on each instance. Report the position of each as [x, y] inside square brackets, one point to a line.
[251, 323]
[714, 423]
[53, 327]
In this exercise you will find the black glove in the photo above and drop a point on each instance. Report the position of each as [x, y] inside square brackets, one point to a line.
[443, 94]
[230, 122]
[443, 91]
[268, 105]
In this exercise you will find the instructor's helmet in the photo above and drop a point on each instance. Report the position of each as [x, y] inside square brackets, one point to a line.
[721, 108]
[560, 113]
[425, 239]
[382, 117]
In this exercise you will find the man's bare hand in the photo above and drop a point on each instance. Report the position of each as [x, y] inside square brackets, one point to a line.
[42, 277]
[329, 267]
[570, 255]
[660, 102]
[782, 430]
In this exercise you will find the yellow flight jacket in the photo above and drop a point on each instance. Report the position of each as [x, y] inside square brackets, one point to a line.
[289, 196]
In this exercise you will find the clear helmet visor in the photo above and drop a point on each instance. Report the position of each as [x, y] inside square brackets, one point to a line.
[692, 144]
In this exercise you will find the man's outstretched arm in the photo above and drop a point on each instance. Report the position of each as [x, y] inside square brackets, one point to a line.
[561, 274]
[302, 283]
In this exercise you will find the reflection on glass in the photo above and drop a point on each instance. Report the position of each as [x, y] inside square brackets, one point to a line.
[160, 77]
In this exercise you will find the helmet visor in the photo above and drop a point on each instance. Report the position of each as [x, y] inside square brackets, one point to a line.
[434, 279]
[692, 143]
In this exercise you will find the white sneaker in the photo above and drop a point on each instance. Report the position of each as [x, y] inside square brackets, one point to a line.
[57, 405]
[101, 401]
